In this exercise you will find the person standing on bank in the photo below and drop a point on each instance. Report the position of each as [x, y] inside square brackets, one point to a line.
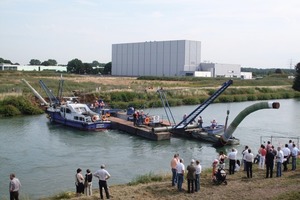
[232, 160]
[180, 174]
[191, 176]
[103, 175]
[79, 183]
[174, 163]
[14, 187]
[279, 161]
[294, 153]
[249, 160]
[88, 183]
[198, 172]
[270, 163]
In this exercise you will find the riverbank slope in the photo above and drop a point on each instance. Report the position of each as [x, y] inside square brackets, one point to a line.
[238, 187]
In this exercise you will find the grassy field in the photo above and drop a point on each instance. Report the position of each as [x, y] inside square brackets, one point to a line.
[120, 92]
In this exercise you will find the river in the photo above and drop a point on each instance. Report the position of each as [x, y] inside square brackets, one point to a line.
[45, 156]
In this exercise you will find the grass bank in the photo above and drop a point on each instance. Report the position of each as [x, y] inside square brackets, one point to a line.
[153, 186]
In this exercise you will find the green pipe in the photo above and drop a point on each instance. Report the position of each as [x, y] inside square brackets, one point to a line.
[240, 117]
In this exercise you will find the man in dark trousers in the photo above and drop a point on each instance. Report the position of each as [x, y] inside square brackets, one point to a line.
[191, 176]
[270, 163]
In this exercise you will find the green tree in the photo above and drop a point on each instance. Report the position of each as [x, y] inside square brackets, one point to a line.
[87, 68]
[278, 71]
[107, 68]
[75, 66]
[296, 85]
[34, 62]
[5, 61]
[49, 62]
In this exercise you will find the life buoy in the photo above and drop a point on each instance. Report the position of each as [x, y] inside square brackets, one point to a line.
[107, 114]
[155, 118]
[95, 118]
[103, 118]
[147, 120]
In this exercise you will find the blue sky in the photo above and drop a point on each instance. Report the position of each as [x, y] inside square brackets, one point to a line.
[252, 33]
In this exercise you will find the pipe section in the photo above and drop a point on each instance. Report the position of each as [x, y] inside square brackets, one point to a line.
[240, 117]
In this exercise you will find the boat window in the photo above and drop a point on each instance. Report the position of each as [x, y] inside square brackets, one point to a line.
[82, 109]
[61, 109]
[76, 118]
[68, 110]
[81, 118]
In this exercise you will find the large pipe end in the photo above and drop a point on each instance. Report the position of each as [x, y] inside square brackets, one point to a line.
[220, 143]
[274, 105]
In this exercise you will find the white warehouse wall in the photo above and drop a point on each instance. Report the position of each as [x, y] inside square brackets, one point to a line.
[163, 58]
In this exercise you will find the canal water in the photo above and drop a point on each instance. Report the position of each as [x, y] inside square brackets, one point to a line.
[45, 156]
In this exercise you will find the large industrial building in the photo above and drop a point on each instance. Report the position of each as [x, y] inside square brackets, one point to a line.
[166, 58]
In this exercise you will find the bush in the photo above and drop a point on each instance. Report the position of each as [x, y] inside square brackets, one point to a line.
[19, 105]
[190, 101]
[9, 111]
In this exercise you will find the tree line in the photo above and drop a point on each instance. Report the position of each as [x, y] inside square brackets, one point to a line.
[75, 66]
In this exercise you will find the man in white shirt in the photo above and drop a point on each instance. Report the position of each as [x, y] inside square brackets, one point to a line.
[249, 161]
[279, 161]
[294, 153]
[14, 187]
[232, 160]
[103, 175]
[286, 154]
[180, 174]
[198, 172]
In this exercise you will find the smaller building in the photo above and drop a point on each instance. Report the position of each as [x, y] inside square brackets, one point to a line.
[221, 70]
[246, 75]
[5, 67]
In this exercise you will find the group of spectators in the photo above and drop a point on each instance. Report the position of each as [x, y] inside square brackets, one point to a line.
[193, 174]
[268, 157]
[84, 184]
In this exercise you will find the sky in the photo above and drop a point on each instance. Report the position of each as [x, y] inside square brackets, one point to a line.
[252, 33]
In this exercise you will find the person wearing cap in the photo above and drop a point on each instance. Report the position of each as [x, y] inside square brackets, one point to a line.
[102, 175]
[191, 176]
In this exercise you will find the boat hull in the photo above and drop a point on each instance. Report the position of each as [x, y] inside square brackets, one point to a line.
[203, 135]
[88, 126]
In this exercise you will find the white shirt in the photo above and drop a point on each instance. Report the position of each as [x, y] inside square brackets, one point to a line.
[295, 151]
[232, 155]
[279, 157]
[198, 169]
[180, 168]
[102, 174]
[244, 153]
[14, 185]
[248, 157]
[286, 151]
[237, 167]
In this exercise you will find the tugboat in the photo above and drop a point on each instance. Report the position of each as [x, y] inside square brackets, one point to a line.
[69, 112]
